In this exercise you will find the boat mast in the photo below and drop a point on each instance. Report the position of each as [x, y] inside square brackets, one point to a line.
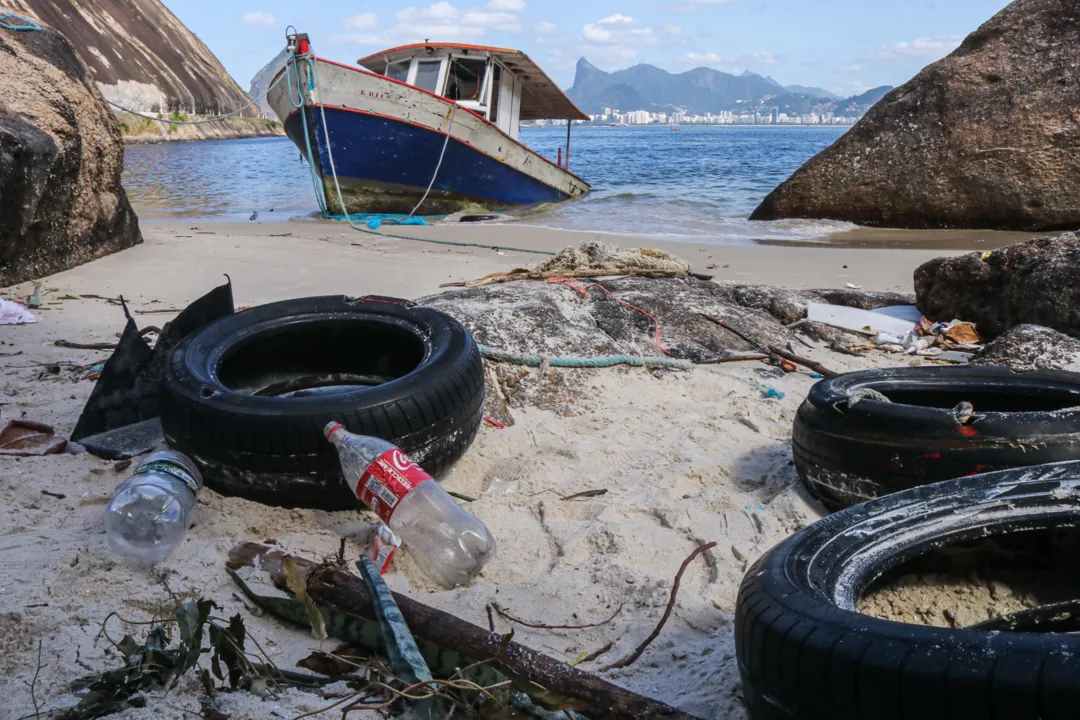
[569, 124]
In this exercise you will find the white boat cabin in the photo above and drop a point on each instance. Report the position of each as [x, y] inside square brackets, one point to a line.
[503, 86]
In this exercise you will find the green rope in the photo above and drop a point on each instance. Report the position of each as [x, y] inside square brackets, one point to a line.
[23, 24]
[312, 83]
[576, 362]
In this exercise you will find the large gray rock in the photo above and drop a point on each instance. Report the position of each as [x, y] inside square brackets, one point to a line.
[1036, 282]
[553, 320]
[1031, 347]
[985, 138]
[61, 156]
[141, 55]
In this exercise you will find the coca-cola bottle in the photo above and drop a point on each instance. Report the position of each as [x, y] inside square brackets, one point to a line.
[448, 543]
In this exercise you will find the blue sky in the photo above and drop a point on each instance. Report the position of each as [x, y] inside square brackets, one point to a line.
[846, 46]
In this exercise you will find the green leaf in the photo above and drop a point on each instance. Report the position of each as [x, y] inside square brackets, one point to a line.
[228, 645]
[191, 617]
[296, 584]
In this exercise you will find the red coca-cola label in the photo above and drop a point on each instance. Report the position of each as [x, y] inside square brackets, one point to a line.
[387, 480]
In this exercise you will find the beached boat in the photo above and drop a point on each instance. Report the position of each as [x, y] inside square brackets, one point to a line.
[431, 127]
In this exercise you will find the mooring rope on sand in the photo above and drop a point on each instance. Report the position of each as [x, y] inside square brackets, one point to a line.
[605, 361]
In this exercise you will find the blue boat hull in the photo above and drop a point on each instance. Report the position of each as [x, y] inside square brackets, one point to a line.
[384, 166]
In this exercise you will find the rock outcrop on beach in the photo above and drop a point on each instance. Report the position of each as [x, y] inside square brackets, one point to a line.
[61, 156]
[141, 55]
[552, 319]
[1035, 282]
[986, 138]
[1031, 347]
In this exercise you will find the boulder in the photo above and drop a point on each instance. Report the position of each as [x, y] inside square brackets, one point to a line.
[985, 138]
[61, 156]
[555, 320]
[1037, 281]
[1031, 347]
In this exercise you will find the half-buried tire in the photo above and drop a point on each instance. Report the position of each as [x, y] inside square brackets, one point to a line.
[805, 652]
[849, 447]
[248, 396]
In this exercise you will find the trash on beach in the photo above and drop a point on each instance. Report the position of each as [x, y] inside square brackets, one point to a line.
[120, 419]
[516, 675]
[901, 312]
[856, 320]
[151, 511]
[383, 546]
[768, 392]
[450, 544]
[25, 438]
[13, 313]
[962, 333]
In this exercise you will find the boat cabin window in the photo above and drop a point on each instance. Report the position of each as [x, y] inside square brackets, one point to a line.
[398, 71]
[427, 75]
[466, 81]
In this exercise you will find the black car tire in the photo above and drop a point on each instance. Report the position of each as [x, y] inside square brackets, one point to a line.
[804, 652]
[848, 452]
[248, 397]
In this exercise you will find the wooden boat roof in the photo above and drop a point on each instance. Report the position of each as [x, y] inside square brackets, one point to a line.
[541, 98]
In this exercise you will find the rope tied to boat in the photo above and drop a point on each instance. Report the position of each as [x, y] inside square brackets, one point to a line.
[21, 24]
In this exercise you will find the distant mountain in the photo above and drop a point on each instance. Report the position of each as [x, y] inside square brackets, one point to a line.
[814, 92]
[861, 103]
[699, 90]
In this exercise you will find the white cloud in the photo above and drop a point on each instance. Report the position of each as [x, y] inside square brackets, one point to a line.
[672, 29]
[259, 18]
[440, 21]
[544, 27]
[618, 29]
[933, 48]
[850, 69]
[363, 21]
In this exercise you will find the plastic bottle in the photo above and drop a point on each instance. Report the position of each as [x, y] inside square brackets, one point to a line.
[151, 511]
[448, 543]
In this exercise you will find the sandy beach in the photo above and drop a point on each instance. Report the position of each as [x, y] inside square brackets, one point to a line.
[686, 458]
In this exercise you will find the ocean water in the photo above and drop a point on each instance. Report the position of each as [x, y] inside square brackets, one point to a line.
[700, 183]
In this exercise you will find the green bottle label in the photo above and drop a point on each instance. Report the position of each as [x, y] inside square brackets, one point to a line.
[170, 468]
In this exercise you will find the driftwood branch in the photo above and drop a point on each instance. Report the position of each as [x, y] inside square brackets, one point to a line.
[345, 592]
[815, 366]
[496, 278]
[632, 657]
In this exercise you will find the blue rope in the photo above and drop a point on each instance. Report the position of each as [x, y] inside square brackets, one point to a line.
[577, 362]
[24, 24]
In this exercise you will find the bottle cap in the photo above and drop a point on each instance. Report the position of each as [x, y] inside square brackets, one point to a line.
[331, 427]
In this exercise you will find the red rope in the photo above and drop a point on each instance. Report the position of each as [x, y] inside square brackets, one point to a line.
[582, 289]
